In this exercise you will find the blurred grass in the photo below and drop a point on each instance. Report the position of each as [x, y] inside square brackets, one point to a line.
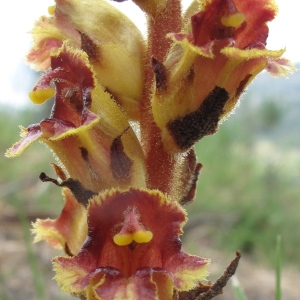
[20, 174]
[238, 289]
[250, 182]
[23, 198]
[38, 279]
[278, 268]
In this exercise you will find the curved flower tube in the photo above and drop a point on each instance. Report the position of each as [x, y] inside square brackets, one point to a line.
[128, 254]
[87, 130]
[104, 33]
[210, 66]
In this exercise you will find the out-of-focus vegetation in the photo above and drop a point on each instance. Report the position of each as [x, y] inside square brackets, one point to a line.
[19, 176]
[25, 270]
[249, 187]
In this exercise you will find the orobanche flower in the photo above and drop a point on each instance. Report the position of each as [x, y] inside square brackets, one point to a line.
[127, 113]
[129, 254]
[105, 34]
[212, 61]
[87, 130]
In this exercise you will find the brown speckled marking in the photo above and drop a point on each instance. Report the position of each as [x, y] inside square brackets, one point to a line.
[84, 154]
[189, 197]
[88, 46]
[160, 75]
[120, 163]
[242, 85]
[187, 130]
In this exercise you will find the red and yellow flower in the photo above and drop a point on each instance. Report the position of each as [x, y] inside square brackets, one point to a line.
[221, 50]
[105, 34]
[132, 250]
[87, 130]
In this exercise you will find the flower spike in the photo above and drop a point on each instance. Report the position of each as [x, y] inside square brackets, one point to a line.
[127, 113]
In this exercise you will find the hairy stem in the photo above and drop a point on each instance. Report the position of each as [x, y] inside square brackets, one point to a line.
[159, 163]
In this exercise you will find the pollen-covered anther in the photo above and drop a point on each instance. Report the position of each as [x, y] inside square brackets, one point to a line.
[39, 96]
[234, 20]
[132, 231]
[51, 10]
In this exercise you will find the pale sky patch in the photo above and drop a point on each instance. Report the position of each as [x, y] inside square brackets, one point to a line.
[18, 17]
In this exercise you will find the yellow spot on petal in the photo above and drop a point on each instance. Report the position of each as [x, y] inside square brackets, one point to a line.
[40, 96]
[123, 239]
[234, 20]
[51, 10]
[142, 236]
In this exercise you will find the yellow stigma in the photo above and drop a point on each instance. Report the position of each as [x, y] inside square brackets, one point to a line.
[123, 239]
[234, 20]
[51, 10]
[142, 236]
[40, 96]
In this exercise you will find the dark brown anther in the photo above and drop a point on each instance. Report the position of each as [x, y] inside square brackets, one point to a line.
[81, 194]
[160, 75]
[189, 129]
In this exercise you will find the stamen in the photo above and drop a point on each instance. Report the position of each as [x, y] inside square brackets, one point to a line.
[234, 20]
[39, 96]
[51, 10]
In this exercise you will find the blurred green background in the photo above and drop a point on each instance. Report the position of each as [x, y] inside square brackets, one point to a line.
[248, 190]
